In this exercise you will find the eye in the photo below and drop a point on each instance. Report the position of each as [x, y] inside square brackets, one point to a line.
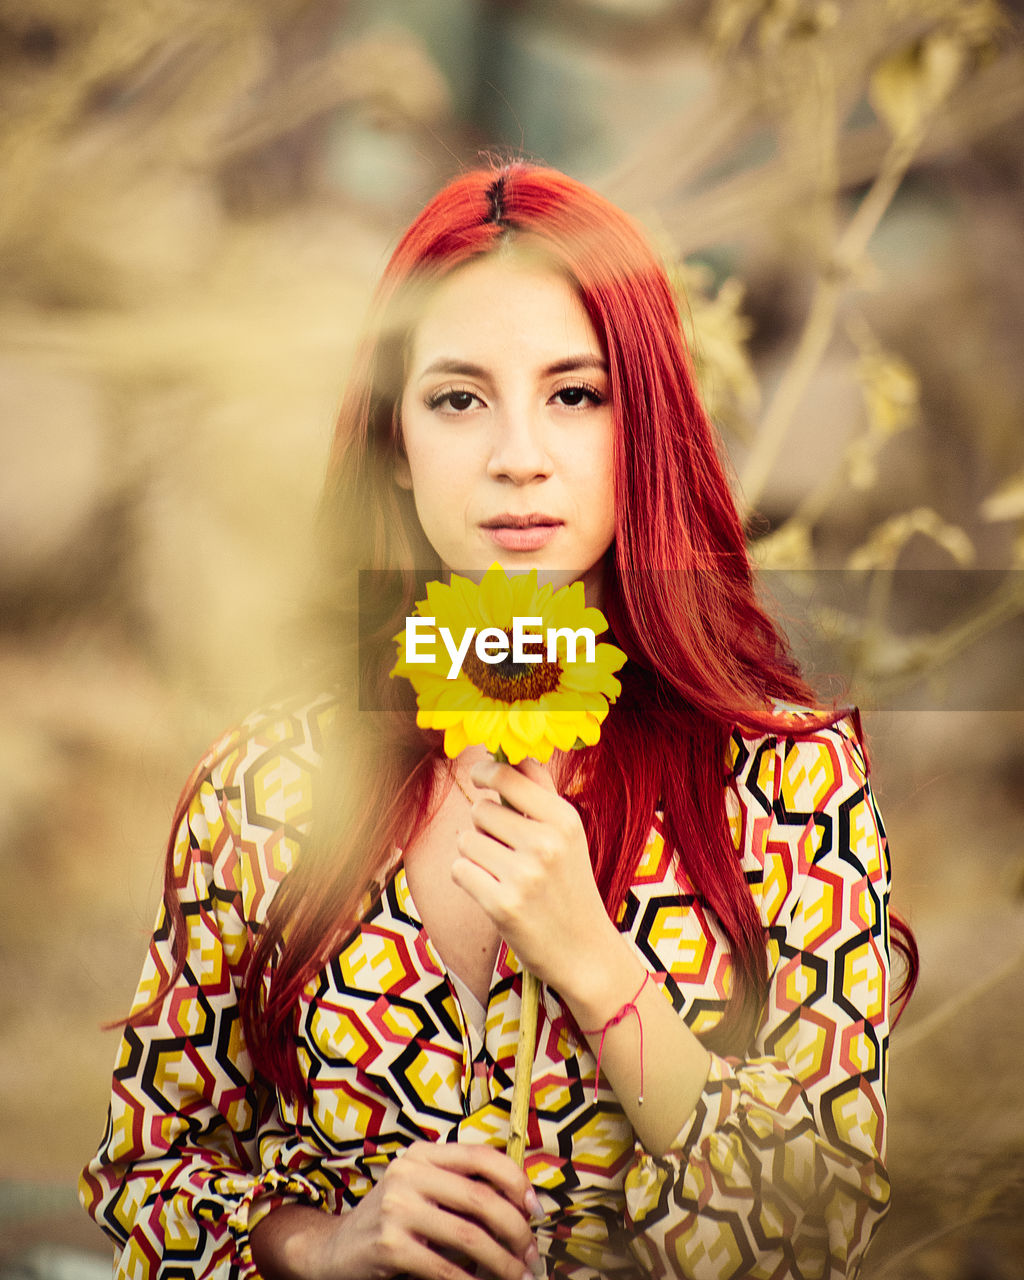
[575, 396]
[456, 401]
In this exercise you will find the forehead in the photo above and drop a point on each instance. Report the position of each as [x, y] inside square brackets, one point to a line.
[503, 308]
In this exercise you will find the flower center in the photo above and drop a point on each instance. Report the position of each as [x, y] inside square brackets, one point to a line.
[508, 681]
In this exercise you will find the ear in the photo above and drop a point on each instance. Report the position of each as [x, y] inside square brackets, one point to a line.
[401, 474]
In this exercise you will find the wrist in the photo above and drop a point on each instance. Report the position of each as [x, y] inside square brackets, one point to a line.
[603, 980]
[289, 1242]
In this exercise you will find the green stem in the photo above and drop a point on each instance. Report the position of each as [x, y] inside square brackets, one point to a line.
[502, 758]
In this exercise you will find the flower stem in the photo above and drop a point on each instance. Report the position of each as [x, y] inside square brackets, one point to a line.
[520, 1112]
[502, 758]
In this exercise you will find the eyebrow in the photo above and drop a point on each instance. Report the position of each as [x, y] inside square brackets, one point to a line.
[466, 369]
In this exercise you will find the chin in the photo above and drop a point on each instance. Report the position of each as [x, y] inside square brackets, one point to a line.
[517, 565]
[558, 577]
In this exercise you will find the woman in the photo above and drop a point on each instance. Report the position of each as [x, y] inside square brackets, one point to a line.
[315, 1079]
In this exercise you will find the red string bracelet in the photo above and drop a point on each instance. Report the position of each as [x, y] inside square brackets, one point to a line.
[613, 1021]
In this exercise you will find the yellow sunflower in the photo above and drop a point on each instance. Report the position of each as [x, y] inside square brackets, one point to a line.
[556, 697]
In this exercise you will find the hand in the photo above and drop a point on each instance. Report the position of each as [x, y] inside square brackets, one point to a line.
[528, 866]
[434, 1203]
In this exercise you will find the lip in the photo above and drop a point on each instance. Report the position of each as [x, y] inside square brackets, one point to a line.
[521, 532]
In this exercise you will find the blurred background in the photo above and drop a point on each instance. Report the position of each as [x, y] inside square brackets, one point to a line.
[195, 201]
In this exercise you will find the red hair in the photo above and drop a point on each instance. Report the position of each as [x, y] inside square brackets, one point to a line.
[678, 593]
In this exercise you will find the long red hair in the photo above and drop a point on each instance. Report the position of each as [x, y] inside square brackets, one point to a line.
[679, 596]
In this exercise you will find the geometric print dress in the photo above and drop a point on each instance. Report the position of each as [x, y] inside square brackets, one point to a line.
[777, 1173]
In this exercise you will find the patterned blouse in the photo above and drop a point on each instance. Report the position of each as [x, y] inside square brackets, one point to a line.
[777, 1173]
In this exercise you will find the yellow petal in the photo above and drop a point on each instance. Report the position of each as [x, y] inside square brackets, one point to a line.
[498, 730]
[496, 598]
[562, 729]
[526, 721]
[467, 593]
[455, 740]
[589, 730]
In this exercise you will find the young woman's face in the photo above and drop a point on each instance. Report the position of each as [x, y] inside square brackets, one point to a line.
[506, 423]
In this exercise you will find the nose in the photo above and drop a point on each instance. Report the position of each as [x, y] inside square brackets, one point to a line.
[519, 451]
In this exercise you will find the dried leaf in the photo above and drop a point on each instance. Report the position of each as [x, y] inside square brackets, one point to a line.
[788, 547]
[862, 462]
[717, 333]
[907, 87]
[891, 392]
[887, 540]
[775, 21]
[1007, 502]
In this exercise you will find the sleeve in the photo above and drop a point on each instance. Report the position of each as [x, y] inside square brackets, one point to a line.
[779, 1171]
[193, 1138]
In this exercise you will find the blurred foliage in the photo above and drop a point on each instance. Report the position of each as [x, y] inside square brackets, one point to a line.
[806, 66]
[930, 72]
[718, 333]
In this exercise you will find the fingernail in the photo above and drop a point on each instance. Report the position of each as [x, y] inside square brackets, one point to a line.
[534, 1262]
[533, 1205]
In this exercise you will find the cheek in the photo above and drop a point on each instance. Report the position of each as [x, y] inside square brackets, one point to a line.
[604, 477]
[413, 445]
[434, 482]
[402, 473]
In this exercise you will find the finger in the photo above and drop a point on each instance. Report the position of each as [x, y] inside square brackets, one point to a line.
[478, 1160]
[529, 795]
[470, 1198]
[516, 874]
[487, 892]
[509, 826]
[409, 1256]
[470, 1238]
